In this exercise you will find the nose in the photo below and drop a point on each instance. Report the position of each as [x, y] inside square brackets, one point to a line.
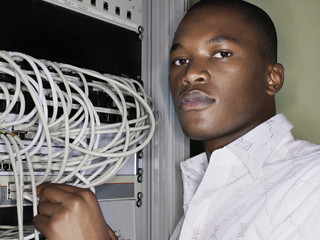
[195, 73]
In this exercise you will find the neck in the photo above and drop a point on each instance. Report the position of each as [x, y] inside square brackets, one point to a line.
[219, 142]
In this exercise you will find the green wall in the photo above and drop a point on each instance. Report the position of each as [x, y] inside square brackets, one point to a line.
[191, 2]
[298, 27]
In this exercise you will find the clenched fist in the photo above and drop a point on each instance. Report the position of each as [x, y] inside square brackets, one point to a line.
[68, 212]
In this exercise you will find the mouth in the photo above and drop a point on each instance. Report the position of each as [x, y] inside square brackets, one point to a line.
[194, 100]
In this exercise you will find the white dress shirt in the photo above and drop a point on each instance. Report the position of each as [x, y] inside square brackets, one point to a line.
[264, 185]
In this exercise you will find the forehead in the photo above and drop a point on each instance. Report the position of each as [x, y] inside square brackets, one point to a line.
[210, 21]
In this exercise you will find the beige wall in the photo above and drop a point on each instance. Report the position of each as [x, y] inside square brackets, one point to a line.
[298, 26]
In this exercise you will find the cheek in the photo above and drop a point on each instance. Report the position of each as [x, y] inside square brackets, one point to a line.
[171, 80]
[174, 85]
[243, 82]
[241, 90]
[174, 95]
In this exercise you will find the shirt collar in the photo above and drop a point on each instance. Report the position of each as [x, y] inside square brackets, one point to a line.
[251, 150]
[254, 148]
[193, 171]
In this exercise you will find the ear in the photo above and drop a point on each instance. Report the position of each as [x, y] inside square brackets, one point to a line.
[275, 78]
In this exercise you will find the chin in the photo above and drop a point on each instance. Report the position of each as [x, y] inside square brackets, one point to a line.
[195, 134]
[194, 125]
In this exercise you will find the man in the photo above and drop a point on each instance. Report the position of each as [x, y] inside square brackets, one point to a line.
[254, 181]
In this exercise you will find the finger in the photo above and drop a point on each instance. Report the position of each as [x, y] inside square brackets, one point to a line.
[47, 208]
[111, 233]
[64, 187]
[41, 187]
[41, 223]
[54, 193]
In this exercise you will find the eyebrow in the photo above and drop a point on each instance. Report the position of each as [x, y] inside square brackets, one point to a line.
[221, 38]
[176, 46]
[217, 39]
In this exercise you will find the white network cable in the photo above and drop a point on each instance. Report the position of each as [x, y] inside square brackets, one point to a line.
[52, 128]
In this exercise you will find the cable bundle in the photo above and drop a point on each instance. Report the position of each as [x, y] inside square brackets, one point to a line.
[54, 128]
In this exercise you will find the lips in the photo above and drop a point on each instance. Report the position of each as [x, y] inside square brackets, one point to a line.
[194, 100]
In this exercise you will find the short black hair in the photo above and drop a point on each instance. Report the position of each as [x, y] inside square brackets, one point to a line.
[257, 17]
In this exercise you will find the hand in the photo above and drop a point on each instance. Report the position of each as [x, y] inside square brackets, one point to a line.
[68, 212]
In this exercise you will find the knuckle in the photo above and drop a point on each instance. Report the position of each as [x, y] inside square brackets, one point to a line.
[87, 195]
[80, 199]
[74, 202]
[45, 191]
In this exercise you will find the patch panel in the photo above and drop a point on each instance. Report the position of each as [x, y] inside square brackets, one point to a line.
[5, 167]
[107, 110]
[130, 168]
[124, 13]
[125, 187]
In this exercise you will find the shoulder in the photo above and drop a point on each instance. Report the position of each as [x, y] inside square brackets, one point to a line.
[298, 185]
[297, 162]
[303, 167]
[304, 152]
[299, 151]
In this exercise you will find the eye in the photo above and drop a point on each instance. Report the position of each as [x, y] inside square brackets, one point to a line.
[222, 54]
[180, 62]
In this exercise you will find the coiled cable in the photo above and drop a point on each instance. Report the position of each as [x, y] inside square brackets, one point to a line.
[55, 129]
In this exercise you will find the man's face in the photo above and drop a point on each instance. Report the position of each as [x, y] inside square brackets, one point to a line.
[218, 75]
